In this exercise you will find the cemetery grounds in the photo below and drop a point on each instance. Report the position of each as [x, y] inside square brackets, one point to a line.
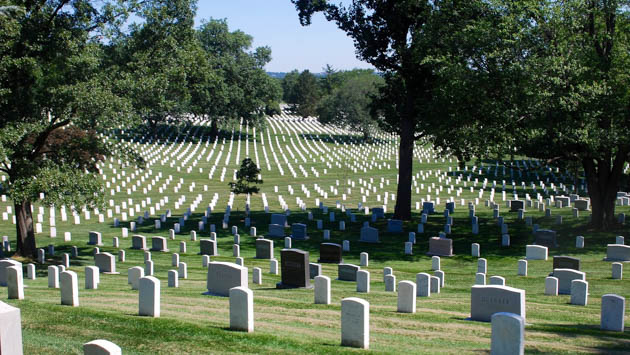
[303, 163]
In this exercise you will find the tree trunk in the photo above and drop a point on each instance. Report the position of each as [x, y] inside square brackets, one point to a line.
[603, 208]
[461, 161]
[214, 130]
[576, 178]
[603, 183]
[25, 235]
[153, 126]
[405, 170]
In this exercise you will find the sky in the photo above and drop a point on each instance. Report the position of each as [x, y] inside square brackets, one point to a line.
[275, 23]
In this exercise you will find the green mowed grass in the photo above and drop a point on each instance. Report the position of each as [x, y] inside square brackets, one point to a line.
[287, 321]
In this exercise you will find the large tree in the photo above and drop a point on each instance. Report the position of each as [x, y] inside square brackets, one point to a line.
[233, 83]
[548, 80]
[289, 82]
[399, 37]
[57, 97]
[348, 103]
[302, 92]
[159, 57]
[580, 106]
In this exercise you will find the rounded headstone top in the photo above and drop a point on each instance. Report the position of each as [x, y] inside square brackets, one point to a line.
[101, 347]
[356, 300]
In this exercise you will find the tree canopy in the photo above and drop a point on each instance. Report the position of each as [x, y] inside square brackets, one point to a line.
[174, 70]
[578, 102]
[74, 74]
[58, 96]
[550, 81]
[246, 178]
[302, 92]
[158, 58]
[544, 79]
[235, 84]
[348, 103]
[399, 38]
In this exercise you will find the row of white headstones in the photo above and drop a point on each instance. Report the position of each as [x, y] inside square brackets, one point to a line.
[353, 310]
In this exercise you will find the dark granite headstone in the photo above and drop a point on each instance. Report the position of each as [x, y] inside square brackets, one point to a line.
[440, 247]
[298, 231]
[264, 249]
[278, 218]
[566, 201]
[379, 212]
[428, 207]
[516, 205]
[314, 270]
[566, 262]
[158, 244]
[330, 253]
[207, 247]
[94, 238]
[276, 231]
[139, 242]
[295, 269]
[394, 226]
[546, 237]
[581, 204]
[450, 206]
[347, 272]
[369, 235]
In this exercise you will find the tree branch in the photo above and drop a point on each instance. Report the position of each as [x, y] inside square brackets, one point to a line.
[41, 138]
[56, 11]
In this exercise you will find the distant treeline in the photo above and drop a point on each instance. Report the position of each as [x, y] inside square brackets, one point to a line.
[281, 75]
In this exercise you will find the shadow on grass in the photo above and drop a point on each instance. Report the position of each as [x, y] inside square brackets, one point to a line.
[468, 319]
[573, 330]
[619, 341]
[84, 257]
[392, 245]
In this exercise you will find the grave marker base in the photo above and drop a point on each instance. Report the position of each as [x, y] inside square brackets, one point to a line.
[282, 286]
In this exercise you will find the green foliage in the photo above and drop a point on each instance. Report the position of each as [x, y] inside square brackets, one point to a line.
[307, 94]
[246, 178]
[545, 79]
[57, 96]
[11, 10]
[581, 105]
[348, 104]
[302, 92]
[399, 38]
[330, 80]
[157, 60]
[232, 83]
[72, 79]
[65, 186]
[289, 83]
[172, 70]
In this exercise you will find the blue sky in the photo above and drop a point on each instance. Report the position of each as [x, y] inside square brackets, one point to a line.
[275, 23]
